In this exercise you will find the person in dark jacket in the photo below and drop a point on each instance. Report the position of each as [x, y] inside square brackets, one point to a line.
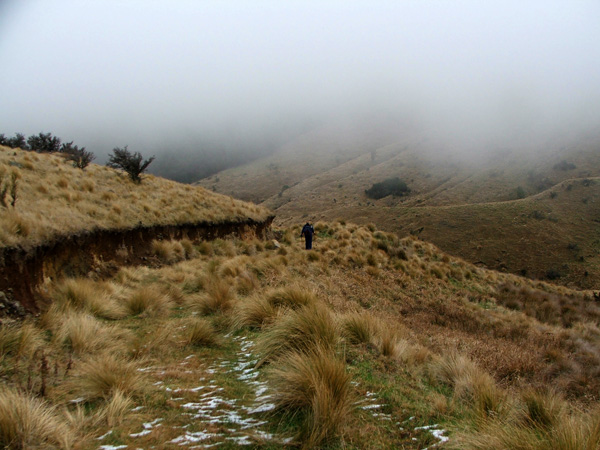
[307, 232]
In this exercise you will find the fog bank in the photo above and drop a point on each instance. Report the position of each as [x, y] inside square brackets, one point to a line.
[234, 79]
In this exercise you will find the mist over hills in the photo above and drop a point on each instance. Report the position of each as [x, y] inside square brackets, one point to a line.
[526, 204]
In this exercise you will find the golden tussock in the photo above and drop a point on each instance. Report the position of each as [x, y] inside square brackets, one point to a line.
[27, 422]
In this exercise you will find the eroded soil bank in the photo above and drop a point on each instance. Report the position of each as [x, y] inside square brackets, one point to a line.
[96, 253]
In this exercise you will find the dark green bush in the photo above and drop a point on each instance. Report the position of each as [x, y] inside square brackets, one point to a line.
[44, 143]
[78, 156]
[564, 165]
[391, 186]
[18, 141]
[131, 163]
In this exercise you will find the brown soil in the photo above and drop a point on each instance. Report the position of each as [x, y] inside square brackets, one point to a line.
[96, 254]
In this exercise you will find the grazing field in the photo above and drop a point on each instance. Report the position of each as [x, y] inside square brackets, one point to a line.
[368, 341]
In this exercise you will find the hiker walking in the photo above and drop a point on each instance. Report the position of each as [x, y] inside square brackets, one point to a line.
[307, 232]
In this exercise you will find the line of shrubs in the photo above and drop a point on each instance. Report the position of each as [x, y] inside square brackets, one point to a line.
[46, 143]
[122, 158]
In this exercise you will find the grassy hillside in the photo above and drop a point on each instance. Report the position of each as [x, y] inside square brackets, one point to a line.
[369, 341]
[526, 210]
[54, 199]
[309, 155]
[554, 234]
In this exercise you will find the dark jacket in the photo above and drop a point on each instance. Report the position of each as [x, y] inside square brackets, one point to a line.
[307, 231]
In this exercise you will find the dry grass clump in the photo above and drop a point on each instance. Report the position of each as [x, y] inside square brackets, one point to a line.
[542, 409]
[148, 301]
[234, 267]
[224, 247]
[292, 297]
[299, 330]
[20, 339]
[115, 409]
[103, 375]
[168, 251]
[364, 328]
[549, 307]
[470, 384]
[315, 387]
[205, 248]
[86, 295]
[27, 423]
[388, 342]
[360, 327]
[246, 282]
[253, 312]
[15, 224]
[219, 297]
[200, 333]
[153, 343]
[188, 248]
[83, 333]
[544, 423]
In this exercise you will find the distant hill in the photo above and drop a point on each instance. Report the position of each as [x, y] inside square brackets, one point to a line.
[525, 209]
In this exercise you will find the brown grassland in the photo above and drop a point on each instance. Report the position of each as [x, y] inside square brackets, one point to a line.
[527, 210]
[368, 341]
[54, 199]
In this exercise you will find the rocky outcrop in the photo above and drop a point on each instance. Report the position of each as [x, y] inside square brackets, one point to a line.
[96, 253]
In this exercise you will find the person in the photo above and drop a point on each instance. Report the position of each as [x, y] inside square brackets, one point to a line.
[307, 232]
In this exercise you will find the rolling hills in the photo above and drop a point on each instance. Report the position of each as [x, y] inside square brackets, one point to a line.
[221, 338]
[524, 209]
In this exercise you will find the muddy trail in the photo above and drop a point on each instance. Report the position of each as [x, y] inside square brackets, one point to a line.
[97, 254]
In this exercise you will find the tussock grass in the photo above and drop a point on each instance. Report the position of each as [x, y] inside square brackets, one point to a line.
[246, 282]
[542, 409]
[86, 295]
[168, 251]
[253, 312]
[101, 376]
[83, 333]
[115, 409]
[360, 327]
[154, 343]
[315, 386]
[299, 330]
[405, 320]
[388, 342]
[20, 339]
[219, 297]
[293, 297]
[570, 431]
[200, 333]
[471, 384]
[148, 301]
[27, 423]
[234, 267]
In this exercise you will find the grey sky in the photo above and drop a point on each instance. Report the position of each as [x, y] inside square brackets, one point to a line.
[138, 71]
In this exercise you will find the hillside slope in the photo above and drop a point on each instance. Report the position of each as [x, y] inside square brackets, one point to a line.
[54, 199]
[368, 342]
[526, 210]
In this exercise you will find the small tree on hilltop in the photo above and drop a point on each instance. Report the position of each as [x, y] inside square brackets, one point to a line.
[131, 163]
[80, 158]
